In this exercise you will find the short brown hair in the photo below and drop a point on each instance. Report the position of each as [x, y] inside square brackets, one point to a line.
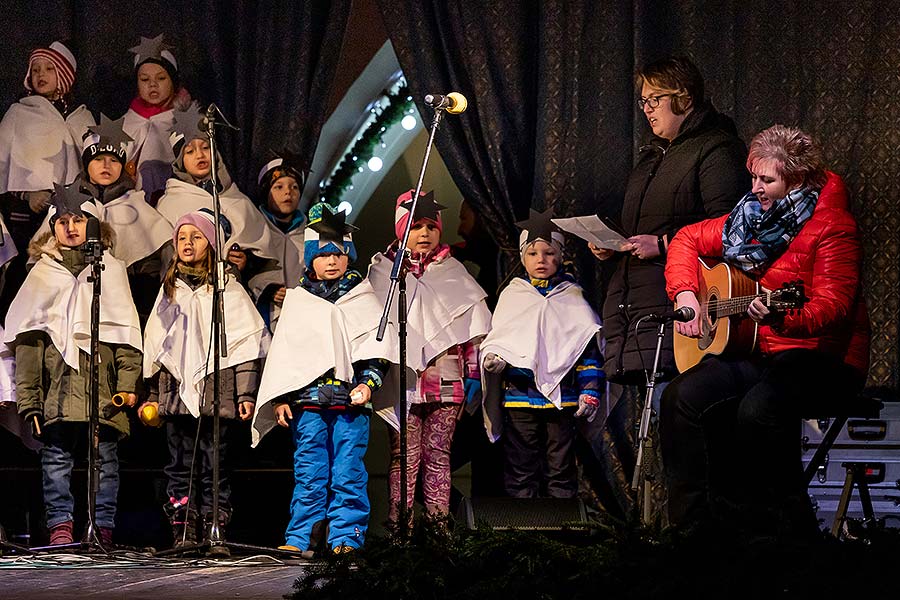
[676, 73]
[797, 156]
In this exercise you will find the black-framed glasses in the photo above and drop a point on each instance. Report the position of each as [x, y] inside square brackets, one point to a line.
[652, 101]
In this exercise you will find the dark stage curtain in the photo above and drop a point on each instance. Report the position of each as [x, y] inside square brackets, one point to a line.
[267, 65]
[533, 134]
[551, 119]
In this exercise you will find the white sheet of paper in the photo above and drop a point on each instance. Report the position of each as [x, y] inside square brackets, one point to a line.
[590, 228]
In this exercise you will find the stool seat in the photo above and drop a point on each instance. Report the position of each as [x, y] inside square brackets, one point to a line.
[866, 405]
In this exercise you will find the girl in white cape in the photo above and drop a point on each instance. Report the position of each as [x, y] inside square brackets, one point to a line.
[190, 189]
[447, 316]
[48, 327]
[179, 362]
[40, 144]
[150, 117]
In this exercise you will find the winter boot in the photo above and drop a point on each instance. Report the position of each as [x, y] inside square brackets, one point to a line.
[106, 534]
[218, 550]
[61, 533]
[183, 521]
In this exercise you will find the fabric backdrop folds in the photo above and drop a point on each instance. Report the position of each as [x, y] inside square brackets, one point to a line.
[532, 135]
[267, 65]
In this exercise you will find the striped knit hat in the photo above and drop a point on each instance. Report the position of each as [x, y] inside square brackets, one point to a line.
[64, 61]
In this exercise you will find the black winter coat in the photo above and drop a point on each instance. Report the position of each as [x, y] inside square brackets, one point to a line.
[698, 175]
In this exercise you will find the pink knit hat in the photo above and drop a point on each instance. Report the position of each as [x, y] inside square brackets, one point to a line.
[200, 220]
[64, 61]
[401, 213]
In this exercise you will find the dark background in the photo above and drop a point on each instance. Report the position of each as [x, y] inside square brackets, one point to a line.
[551, 122]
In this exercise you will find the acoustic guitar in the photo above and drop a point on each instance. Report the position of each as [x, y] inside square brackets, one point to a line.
[725, 329]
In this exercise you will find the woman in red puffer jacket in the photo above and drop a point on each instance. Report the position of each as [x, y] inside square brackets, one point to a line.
[729, 425]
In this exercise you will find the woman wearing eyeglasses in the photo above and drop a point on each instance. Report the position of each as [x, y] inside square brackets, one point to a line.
[691, 168]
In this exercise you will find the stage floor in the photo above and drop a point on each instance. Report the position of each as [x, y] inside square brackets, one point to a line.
[138, 576]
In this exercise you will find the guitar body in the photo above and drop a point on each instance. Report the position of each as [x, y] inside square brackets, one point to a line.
[720, 335]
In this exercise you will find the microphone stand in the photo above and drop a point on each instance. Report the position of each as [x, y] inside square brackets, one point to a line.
[398, 280]
[638, 481]
[220, 349]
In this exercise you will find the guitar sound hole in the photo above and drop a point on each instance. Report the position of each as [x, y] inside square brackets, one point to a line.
[711, 309]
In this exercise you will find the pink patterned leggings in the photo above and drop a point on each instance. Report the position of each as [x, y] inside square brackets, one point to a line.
[429, 433]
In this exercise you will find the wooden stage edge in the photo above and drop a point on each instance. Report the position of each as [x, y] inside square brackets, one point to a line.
[138, 576]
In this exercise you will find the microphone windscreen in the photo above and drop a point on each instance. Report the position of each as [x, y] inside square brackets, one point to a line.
[92, 230]
[458, 103]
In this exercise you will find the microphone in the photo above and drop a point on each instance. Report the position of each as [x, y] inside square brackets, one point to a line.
[92, 246]
[683, 314]
[209, 117]
[454, 102]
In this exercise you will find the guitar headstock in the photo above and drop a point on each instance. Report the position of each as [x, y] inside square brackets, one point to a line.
[788, 296]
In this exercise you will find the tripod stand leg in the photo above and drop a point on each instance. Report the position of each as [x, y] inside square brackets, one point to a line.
[5, 544]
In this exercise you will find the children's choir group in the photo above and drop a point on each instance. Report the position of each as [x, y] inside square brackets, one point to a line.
[300, 323]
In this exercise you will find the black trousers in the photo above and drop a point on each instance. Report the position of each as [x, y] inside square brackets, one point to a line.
[730, 430]
[539, 453]
[181, 436]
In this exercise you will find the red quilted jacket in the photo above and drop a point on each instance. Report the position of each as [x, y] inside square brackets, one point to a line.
[826, 255]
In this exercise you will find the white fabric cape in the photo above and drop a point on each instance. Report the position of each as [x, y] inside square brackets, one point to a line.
[151, 140]
[546, 334]
[140, 229]
[248, 225]
[38, 147]
[178, 336]
[52, 300]
[8, 249]
[287, 248]
[445, 307]
[291, 366]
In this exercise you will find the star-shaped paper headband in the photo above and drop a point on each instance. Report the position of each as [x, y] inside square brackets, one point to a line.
[187, 125]
[538, 226]
[110, 132]
[70, 200]
[426, 207]
[151, 48]
[331, 226]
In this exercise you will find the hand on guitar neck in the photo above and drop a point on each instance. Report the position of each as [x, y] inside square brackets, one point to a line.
[757, 311]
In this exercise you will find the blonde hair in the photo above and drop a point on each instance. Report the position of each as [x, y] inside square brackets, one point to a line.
[172, 272]
[796, 155]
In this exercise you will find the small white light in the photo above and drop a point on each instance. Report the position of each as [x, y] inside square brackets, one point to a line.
[361, 169]
[408, 123]
[351, 187]
[375, 163]
[345, 207]
[355, 158]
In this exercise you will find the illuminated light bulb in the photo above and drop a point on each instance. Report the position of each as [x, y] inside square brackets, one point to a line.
[345, 207]
[408, 123]
[375, 163]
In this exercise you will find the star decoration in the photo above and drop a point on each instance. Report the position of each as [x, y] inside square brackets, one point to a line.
[187, 123]
[538, 225]
[150, 48]
[426, 207]
[68, 200]
[332, 227]
[110, 131]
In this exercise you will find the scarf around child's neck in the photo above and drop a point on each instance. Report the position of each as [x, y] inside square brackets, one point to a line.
[332, 289]
[193, 276]
[420, 261]
[545, 285]
[147, 110]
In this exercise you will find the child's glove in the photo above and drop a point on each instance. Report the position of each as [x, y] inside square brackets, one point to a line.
[35, 420]
[493, 363]
[587, 407]
[473, 390]
[38, 201]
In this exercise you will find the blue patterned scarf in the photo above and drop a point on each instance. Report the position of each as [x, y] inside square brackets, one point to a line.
[753, 239]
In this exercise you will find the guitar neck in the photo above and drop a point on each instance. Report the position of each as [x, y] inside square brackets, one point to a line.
[726, 307]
